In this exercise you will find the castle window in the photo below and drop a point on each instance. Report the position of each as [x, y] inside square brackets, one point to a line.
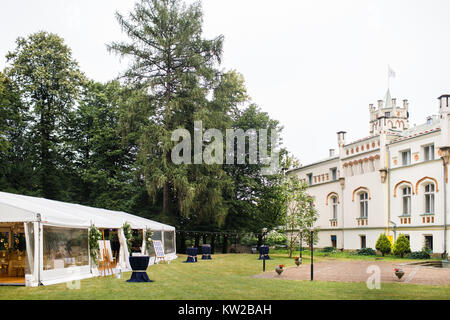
[334, 174]
[363, 241]
[429, 242]
[429, 198]
[387, 114]
[406, 201]
[334, 202]
[406, 157]
[363, 205]
[309, 175]
[428, 152]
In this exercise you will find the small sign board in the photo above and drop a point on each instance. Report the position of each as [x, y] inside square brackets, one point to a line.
[159, 251]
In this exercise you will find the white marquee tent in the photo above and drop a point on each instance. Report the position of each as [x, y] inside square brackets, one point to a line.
[51, 226]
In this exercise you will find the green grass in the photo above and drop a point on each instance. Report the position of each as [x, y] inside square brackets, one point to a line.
[223, 278]
[344, 255]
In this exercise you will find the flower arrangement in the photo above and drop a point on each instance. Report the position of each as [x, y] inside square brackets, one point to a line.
[279, 268]
[296, 258]
[399, 272]
[94, 236]
[128, 235]
[148, 240]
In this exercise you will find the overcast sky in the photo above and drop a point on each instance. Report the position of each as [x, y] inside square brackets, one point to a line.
[315, 65]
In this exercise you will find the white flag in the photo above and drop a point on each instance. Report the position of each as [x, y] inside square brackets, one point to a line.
[391, 72]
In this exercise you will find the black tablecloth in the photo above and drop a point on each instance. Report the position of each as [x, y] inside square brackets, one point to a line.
[263, 253]
[206, 252]
[139, 265]
[192, 254]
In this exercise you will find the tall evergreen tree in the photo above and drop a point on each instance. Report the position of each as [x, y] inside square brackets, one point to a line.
[172, 61]
[48, 79]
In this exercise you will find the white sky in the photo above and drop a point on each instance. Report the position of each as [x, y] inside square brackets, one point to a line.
[314, 65]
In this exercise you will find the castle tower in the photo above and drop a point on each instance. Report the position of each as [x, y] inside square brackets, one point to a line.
[388, 116]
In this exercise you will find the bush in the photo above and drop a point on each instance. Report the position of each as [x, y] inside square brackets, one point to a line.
[249, 240]
[328, 249]
[423, 254]
[276, 238]
[401, 246]
[383, 244]
[367, 252]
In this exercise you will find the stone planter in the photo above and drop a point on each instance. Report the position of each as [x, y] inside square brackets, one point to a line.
[298, 262]
[399, 273]
[279, 270]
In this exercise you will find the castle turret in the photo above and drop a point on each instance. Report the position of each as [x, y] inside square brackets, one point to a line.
[395, 117]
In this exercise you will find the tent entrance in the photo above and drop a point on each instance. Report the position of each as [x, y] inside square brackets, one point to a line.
[12, 254]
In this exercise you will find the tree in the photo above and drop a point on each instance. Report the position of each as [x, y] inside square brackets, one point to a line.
[383, 244]
[49, 80]
[175, 64]
[257, 200]
[103, 161]
[300, 212]
[401, 246]
[14, 144]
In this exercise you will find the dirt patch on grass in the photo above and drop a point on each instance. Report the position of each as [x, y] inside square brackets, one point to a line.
[357, 271]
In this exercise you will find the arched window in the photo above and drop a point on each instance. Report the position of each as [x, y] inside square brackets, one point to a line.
[363, 205]
[406, 196]
[334, 206]
[429, 198]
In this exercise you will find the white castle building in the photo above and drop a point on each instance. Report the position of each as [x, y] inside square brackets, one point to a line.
[393, 181]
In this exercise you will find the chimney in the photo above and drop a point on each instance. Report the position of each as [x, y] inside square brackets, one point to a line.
[331, 153]
[380, 104]
[405, 103]
[341, 138]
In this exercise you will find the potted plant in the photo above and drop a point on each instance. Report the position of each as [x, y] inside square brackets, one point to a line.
[298, 261]
[399, 272]
[279, 269]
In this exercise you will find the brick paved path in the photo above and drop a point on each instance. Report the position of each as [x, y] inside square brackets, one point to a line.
[356, 271]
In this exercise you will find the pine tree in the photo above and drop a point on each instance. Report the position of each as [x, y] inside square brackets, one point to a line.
[401, 246]
[383, 244]
[176, 66]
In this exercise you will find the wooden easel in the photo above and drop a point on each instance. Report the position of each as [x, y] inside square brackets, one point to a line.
[159, 251]
[106, 262]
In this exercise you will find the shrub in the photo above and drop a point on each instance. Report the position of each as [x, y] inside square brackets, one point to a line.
[328, 249]
[401, 246]
[276, 238]
[383, 244]
[367, 252]
[249, 240]
[423, 254]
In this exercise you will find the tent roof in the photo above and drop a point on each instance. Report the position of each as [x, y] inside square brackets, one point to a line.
[19, 208]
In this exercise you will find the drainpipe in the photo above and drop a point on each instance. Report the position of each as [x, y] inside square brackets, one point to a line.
[445, 206]
[388, 172]
[342, 184]
[395, 226]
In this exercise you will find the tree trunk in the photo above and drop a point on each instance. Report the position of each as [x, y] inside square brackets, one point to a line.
[204, 238]
[213, 240]
[182, 242]
[259, 240]
[166, 198]
[197, 240]
[225, 244]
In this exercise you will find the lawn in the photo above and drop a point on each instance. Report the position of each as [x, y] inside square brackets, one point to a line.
[226, 277]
